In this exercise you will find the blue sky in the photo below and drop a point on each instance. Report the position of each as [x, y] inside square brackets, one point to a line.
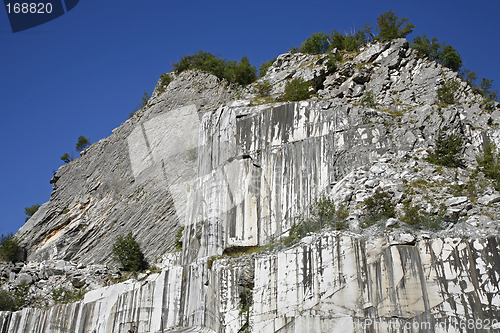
[84, 72]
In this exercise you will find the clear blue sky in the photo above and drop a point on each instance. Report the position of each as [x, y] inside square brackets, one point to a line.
[84, 72]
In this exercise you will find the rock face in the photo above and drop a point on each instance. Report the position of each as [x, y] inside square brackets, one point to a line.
[135, 180]
[328, 283]
[238, 172]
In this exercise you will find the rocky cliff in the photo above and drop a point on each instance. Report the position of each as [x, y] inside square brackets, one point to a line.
[238, 171]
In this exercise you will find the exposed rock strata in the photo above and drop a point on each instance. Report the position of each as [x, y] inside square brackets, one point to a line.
[327, 283]
[237, 172]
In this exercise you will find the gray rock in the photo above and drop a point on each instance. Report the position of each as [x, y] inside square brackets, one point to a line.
[23, 278]
[78, 281]
[236, 174]
[489, 199]
[401, 239]
[455, 201]
[391, 222]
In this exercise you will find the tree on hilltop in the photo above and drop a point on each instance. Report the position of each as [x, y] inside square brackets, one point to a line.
[391, 27]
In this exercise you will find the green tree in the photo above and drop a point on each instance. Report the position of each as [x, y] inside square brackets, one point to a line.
[426, 48]
[318, 43]
[127, 252]
[241, 73]
[485, 89]
[297, 90]
[30, 211]
[350, 42]
[450, 58]
[178, 238]
[435, 51]
[447, 150]
[67, 158]
[391, 27]
[369, 99]
[82, 143]
[10, 250]
[469, 76]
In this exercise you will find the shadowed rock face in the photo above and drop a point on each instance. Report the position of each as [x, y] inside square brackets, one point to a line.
[134, 180]
[236, 173]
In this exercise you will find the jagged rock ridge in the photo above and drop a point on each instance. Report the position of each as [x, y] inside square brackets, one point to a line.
[236, 172]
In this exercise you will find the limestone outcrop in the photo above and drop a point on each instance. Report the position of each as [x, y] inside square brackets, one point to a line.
[238, 171]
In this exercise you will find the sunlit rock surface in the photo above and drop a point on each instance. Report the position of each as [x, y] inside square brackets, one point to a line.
[237, 171]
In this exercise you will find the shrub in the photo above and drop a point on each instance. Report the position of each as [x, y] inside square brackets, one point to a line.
[10, 250]
[490, 96]
[165, 80]
[205, 61]
[144, 101]
[297, 90]
[447, 150]
[323, 209]
[265, 66]
[30, 211]
[484, 88]
[127, 252]
[178, 238]
[236, 72]
[368, 100]
[331, 64]
[416, 216]
[21, 295]
[489, 164]
[263, 88]
[63, 295]
[391, 27]
[316, 44]
[322, 213]
[412, 214]
[82, 143]
[7, 301]
[446, 93]
[378, 206]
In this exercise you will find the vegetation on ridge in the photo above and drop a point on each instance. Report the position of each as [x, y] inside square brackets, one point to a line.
[81, 144]
[241, 72]
[30, 211]
[390, 27]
